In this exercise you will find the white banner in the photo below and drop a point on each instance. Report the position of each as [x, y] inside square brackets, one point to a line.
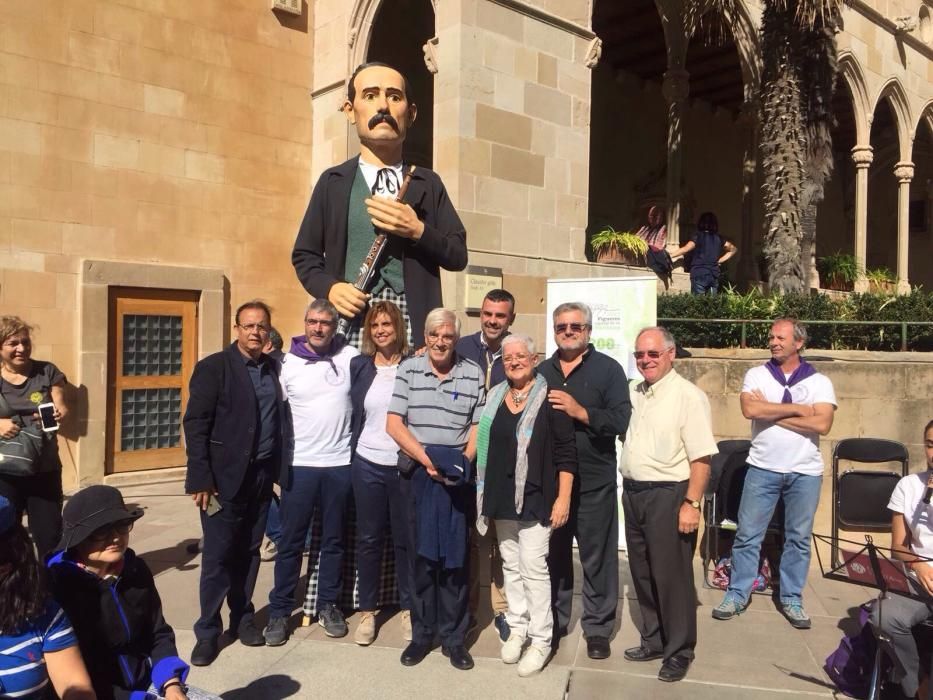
[621, 307]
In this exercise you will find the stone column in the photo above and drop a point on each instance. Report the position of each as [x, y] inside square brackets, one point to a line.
[904, 172]
[676, 88]
[862, 156]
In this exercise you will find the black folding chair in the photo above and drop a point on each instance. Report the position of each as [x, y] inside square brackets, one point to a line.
[860, 497]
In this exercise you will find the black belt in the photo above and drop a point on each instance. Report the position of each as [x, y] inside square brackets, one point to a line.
[632, 485]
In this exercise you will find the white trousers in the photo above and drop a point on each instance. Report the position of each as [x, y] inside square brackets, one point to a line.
[524, 549]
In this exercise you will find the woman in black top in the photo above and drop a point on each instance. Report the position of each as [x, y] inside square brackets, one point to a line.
[25, 384]
[526, 461]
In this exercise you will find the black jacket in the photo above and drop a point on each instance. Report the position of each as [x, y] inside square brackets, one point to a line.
[362, 373]
[551, 450]
[124, 639]
[220, 424]
[471, 347]
[598, 384]
[320, 249]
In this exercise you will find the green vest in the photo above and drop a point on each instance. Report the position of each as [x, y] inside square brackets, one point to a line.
[360, 236]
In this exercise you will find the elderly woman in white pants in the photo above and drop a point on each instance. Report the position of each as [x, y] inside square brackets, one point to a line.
[526, 461]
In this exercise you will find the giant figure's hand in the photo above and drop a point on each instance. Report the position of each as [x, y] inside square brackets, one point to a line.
[349, 300]
[394, 217]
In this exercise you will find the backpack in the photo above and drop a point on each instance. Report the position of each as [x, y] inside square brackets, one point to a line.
[850, 665]
[723, 573]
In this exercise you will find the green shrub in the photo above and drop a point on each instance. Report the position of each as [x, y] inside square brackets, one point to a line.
[753, 305]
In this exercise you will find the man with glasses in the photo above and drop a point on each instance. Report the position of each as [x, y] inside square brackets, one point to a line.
[316, 381]
[591, 388]
[485, 349]
[436, 404]
[665, 467]
[235, 435]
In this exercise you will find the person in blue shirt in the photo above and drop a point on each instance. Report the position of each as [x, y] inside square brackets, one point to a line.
[704, 253]
[37, 643]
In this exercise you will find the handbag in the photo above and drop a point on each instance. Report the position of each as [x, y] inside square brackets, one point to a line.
[20, 455]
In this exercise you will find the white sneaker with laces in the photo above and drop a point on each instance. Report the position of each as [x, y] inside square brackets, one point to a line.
[511, 650]
[533, 661]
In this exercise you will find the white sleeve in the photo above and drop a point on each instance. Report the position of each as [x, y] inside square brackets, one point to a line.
[749, 384]
[899, 496]
[823, 391]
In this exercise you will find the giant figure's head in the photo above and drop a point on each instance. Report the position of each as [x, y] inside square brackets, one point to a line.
[378, 104]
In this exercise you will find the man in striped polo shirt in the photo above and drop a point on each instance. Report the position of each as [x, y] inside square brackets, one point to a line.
[436, 403]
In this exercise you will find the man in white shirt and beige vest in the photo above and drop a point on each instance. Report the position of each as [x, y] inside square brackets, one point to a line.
[665, 467]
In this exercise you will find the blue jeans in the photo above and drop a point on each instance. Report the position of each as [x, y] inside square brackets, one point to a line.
[379, 501]
[763, 488]
[327, 488]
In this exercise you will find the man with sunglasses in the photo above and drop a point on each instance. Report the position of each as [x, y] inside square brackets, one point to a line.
[591, 388]
[235, 435]
[665, 467]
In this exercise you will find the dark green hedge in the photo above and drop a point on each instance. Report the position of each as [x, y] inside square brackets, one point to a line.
[916, 306]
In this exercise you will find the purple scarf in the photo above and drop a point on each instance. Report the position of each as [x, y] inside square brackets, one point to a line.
[804, 370]
[302, 348]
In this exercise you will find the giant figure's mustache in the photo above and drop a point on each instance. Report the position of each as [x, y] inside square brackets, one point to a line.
[380, 117]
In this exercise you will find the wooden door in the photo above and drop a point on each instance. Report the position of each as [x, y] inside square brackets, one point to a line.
[151, 352]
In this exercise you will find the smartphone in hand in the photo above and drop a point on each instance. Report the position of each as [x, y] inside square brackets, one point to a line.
[213, 505]
[47, 417]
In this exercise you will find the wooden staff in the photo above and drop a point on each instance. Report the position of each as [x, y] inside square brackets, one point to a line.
[373, 257]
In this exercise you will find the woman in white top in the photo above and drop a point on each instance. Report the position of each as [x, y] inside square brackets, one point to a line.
[375, 455]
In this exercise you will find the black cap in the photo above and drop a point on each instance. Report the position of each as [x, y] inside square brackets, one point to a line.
[90, 509]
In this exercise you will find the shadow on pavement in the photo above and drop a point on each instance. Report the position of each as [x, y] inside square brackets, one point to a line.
[178, 557]
[268, 687]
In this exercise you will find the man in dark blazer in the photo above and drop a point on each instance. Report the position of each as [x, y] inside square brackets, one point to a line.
[236, 429]
[353, 199]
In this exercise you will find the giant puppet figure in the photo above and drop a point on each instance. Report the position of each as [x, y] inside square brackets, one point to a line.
[355, 201]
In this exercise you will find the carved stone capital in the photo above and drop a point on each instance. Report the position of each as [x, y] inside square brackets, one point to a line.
[863, 156]
[676, 85]
[431, 54]
[904, 171]
[593, 53]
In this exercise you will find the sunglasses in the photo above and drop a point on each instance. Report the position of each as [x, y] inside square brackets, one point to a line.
[574, 327]
[107, 532]
[651, 354]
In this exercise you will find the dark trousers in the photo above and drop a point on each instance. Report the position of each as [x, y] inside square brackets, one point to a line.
[230, 551]
[661, 562]
[440, 597]
[327, 488]
[378, 496]
[40, 497]
[594, 521]
[704, 280]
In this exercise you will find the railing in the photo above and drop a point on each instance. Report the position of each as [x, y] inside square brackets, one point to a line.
[758, 321]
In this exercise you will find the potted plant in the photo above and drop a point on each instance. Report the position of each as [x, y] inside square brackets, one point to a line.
[620, 247]
[881, 280]
[839, 271]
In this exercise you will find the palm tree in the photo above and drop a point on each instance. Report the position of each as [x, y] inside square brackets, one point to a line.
[798, 77]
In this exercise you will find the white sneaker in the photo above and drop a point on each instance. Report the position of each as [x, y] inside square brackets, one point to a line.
[511, 650]
[366, 630]
[533, 661]
[406, 625]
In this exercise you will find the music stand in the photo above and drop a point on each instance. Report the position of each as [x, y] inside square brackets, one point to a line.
[871, 567]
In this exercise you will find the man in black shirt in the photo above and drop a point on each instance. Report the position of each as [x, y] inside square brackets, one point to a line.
[591, 388]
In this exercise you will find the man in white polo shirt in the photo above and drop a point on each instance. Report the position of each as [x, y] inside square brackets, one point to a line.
[790, 405]
[315, 378]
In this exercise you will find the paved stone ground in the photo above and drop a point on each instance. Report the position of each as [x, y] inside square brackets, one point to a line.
[755, 656]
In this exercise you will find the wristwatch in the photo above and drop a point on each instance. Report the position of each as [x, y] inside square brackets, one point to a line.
[693, 504]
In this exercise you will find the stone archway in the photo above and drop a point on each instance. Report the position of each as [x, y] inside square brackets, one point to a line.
[881, 244]
[920, 215]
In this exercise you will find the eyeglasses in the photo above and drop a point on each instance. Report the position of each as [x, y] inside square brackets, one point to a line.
[574, 327]
[254, 328]
[521, 358]
[651, 354]
[446, 337]
[107, 532]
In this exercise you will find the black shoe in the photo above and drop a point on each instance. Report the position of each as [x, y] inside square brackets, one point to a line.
[502, 625]
[641, 653]
[598, 647]
[674, 669]
[204, 652]
[459, 657]
[414, 654]
[249, 634]
[332, 620]
[276, 632]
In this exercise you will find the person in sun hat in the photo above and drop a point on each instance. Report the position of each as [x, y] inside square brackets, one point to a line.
[110, 596]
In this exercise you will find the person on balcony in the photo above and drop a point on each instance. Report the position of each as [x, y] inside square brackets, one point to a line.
[704, 253]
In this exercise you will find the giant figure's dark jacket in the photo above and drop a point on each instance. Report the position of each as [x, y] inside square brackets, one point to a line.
[124, 639]
[320, 249]
[220, 424]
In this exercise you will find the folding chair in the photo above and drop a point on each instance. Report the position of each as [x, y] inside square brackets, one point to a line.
[722, 499]
[860, 497]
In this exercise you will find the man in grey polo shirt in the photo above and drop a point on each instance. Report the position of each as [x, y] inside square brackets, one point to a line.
[436, 403]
